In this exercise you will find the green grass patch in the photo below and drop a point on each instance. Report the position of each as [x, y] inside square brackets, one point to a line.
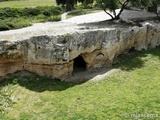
[14, 18]
[16, 14]
[6, 99]
[27, 3]
[13, 23]
[133, 89]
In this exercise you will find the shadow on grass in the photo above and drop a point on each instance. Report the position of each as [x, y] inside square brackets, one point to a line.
[133, 59]
[35, 82]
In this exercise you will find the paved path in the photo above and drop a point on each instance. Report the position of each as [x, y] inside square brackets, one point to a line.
[64, 15]
[102, 16]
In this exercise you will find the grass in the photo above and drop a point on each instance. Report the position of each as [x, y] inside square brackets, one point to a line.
[27, 3]
[22, 13]
[133, 89]
[13, 13]
[14, 18]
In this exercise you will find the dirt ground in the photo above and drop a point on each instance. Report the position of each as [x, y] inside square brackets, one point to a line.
[91, 75]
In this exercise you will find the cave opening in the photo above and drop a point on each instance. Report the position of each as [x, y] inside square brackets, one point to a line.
[79, 64]
[132, 50]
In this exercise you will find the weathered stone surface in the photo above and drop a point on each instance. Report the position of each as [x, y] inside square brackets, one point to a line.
[50, 50]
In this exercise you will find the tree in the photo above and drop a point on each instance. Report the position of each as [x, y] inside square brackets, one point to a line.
[154, 7]
[112, 5]
[70, 3]
[150, 5]
[61, 2]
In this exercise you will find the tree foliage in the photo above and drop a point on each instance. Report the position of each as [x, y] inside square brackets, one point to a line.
[70, 3]
[63, 2]
[112, 5]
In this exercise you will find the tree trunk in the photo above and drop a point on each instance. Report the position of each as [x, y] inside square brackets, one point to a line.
[153, 8]
[122, 8]
[68, 5]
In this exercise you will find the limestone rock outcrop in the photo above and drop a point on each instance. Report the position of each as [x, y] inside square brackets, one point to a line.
[50, 49]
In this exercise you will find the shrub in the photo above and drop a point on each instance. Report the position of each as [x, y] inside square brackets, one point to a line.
[10, 12]
[3, 25]
[13, 23]
[19, 12]
[31, 11]
[13, 18]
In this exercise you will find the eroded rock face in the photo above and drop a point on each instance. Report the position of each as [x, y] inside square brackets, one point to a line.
[51, 51]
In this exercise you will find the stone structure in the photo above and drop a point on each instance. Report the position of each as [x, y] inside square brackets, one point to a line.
[53, 49]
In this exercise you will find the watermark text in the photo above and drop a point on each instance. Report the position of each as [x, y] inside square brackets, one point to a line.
[141, 115]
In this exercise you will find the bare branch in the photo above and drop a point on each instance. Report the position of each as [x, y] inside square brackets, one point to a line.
[114, 13]
[120, 3]
[125, 3]
[108, 13]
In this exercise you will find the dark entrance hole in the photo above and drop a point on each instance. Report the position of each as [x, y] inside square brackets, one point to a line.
[79, 64]
[132, 50]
